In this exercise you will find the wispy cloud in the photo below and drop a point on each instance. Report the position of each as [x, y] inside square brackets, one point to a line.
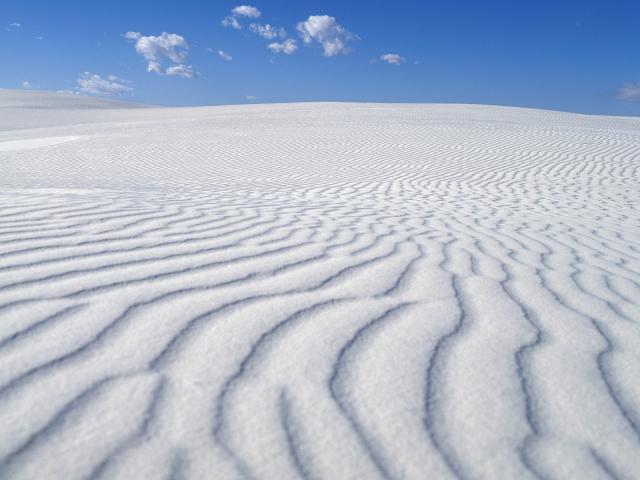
[94, 84]
[392, 58]
[287, 47]
[156, 50]
[233, 20]
[180, 70]
[224, 55]
[26, 84]
[327, 32]
[629, 92]
[267, 31]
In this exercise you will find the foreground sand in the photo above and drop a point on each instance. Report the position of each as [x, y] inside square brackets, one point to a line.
[317, 291]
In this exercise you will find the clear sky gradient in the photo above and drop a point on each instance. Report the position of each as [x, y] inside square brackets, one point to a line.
[579, 56]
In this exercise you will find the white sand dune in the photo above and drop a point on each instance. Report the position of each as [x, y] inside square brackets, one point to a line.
[341, 291]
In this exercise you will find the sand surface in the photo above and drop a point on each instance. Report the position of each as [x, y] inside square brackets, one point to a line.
[330, 291]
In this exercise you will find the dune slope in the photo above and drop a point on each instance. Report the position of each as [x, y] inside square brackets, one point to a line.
[350, 291]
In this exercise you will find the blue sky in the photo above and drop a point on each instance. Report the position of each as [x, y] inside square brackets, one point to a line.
[581, 56]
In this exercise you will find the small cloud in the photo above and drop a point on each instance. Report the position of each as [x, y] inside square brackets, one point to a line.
[225, 56]
[392, 59]
[251, 97]
[267, 31]
[630, 92]
[154, 48]
[26, 84]
[157, 49]
[324, 30]
[155, 67]
[232, 21]
[94, 84]
[246, 11]
[287, 47]
[180, 70]
[40, 37]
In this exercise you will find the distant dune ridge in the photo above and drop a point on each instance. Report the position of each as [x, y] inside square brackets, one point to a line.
[42, 100]
[317, 290]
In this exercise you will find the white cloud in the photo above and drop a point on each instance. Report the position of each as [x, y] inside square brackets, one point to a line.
[629, 92]
[224, 55]
[267, 31]
[155, 67]
[180, 70]
[26, 84]
[154, 48]
[246, 11]
[231, 21]
[287, 47]
[15, 25]
[251, 97]
[240, 11]
[157, 49]
[327, 32]
[96, 85]
[392, 58]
